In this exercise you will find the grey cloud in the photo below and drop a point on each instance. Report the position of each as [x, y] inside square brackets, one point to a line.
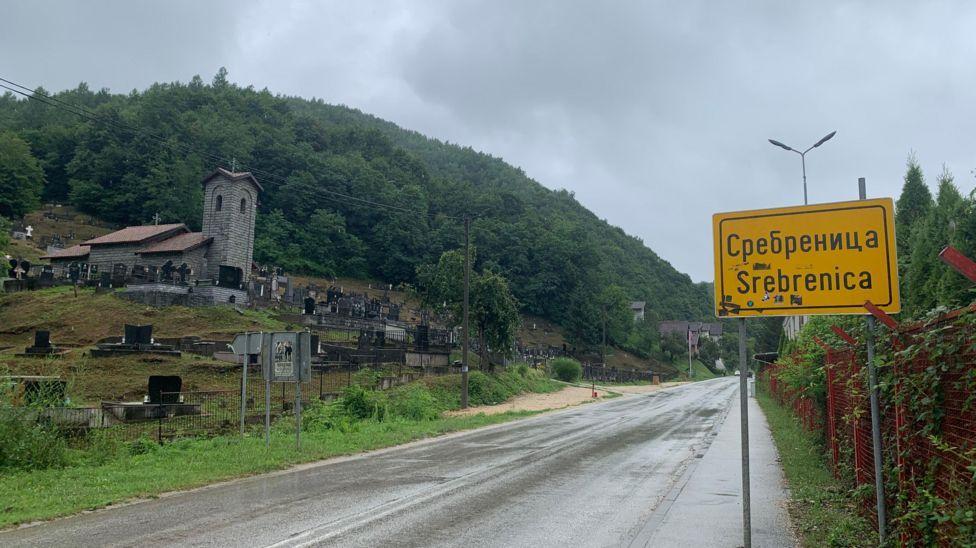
[655, 114]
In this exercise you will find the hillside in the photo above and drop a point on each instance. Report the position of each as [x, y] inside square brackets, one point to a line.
[324, 168]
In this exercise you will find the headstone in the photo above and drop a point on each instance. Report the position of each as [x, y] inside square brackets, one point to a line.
[422, 342]
[138, 334]
[228, 276]
[118, 275]
[42, 339]
[74, 272]
[309, 308]
[139, 273]
[165, 389]
[46, 278]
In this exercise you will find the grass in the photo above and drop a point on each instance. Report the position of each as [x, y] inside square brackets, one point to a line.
[45, 494]
[698, 369]
[99, 470]
[125, 378]
[821, 508]
[88, 318]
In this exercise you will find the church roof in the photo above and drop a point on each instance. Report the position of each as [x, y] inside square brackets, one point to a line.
[73, 252]
[179, 243]
[137, 234]
[234, 176]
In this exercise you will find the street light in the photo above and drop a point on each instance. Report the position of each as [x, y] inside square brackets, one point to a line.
[803, 157]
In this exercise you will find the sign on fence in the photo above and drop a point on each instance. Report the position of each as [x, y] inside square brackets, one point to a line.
[287, 356]
[818, 259]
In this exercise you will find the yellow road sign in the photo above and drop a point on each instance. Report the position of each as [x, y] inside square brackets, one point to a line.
[818, 259]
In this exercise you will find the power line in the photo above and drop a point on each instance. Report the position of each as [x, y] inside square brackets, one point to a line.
[86, 113]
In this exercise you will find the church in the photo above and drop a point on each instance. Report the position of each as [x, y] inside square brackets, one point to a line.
[218, 256]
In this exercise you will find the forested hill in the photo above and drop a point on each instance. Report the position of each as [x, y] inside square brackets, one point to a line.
[145, 152]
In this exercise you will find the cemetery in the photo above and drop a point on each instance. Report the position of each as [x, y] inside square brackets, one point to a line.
[135, 322]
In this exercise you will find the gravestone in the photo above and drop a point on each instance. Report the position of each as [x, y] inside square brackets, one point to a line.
[42, 346]
[422, 342]
[165, 389]
[137, 339]
[118, 275]
[46, 279]
[139, 273]
[309, 306]
[74, 272]
[138, 334]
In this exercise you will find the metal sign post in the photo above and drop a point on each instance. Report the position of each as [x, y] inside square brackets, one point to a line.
[247, 358]
[875, 408]
[744, 425]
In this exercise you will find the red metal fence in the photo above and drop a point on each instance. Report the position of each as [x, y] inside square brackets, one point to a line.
[928, 406]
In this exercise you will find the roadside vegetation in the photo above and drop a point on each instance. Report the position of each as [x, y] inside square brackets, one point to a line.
[46, 473]
[822, 509]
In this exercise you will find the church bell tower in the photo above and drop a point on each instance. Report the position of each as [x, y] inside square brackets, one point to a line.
[229, 208]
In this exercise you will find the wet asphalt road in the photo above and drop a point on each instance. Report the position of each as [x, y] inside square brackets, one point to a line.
[589, 476]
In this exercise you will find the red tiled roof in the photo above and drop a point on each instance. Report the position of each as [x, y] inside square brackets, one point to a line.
[136, 234]
[234, 176]
[178, 243]
[72, 252]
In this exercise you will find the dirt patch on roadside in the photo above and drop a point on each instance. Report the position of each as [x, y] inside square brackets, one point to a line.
[640, 388]
[570, 395]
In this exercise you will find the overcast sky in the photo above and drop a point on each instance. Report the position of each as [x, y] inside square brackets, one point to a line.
[655, 114]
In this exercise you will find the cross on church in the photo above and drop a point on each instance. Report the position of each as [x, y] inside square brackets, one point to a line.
[156, 218]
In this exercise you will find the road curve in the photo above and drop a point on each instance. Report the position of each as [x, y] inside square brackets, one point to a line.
[589, 476]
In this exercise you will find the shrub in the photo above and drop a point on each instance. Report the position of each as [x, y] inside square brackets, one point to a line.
[566, 369]
[361, 403]
[27, 444]
[414, 402]
[142, 445]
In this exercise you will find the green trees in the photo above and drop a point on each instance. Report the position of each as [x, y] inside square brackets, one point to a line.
[21, 177]
[912, 206]
[924, 230]
[4, 237]
[492, 307]
[494, 312]
[323, 168]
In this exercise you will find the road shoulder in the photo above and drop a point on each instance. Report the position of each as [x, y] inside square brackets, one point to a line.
[705, 507]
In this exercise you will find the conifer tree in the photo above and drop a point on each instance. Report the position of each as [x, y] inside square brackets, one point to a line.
[954, 289]
[911, 208]
[913, 204]
[925, 272]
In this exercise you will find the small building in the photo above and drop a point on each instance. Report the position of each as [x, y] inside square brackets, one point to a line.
[637, 307]
[221, 253]
[143, 257]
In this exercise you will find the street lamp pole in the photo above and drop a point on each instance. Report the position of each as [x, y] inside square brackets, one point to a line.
[803, 157]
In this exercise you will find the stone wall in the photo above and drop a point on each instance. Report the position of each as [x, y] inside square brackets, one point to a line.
[203, 295]
[161, 294]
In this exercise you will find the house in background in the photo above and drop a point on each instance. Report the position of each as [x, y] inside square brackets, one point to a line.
[637, 307]
[693, 332]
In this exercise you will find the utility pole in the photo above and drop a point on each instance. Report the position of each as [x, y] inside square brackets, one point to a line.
[464, 330]
[604, 307]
